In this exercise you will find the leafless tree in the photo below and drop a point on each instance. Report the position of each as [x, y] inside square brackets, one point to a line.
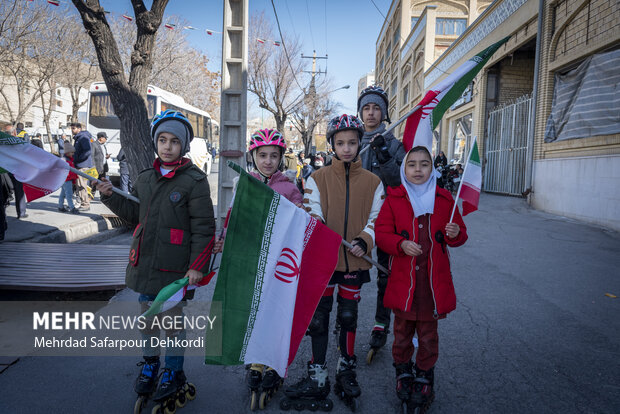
[27, 53]
[270, 76]
[315, 108]
[127, 94]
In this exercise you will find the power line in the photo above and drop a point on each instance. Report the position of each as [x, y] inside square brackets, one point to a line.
[286, 51]
[375, 4]
[325, 9]
[310, 24]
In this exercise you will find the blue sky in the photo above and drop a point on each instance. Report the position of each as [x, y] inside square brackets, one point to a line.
[348, 38]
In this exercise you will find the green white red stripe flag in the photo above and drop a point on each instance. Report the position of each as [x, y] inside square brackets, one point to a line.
[420, 125]
[276, 263]
[41, 172]
[471, 182]
[169, 296]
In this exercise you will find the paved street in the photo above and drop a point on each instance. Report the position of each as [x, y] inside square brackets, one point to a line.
[533, 332]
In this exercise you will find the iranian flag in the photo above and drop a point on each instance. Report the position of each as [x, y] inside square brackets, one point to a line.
[469, 190]
[276, 263]
[420, 125]
[171, 295]
[41, 172]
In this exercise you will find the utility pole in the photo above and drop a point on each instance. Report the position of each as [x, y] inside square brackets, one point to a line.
[310, 97]
[233, 104]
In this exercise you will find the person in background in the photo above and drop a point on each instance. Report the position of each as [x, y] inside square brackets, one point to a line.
[67, 187]
[123, 170]
[83, 161]
[18, 187]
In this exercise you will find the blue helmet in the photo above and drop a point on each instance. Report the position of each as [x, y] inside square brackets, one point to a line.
[169, 115]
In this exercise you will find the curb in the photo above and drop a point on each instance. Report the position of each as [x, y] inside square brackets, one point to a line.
[73, 232]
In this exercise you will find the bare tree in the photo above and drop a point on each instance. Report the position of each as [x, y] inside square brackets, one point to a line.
[270, 76]
[127, 95]
[315, 108]
[179, 67]
[80, 66]
[27, 52]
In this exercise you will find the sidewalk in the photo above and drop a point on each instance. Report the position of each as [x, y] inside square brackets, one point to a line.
[45, 224]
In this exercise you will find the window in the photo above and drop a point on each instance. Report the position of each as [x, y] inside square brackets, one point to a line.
[414, 20]
[389, 50]
[381, 64]
[405, 95]
[396, 38]
[28, 124]
[450, 27]
[394, 87]
[58, 92]
[59, 104]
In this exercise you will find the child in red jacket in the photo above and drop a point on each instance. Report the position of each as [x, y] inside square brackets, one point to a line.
[414, 228]
[67, 187]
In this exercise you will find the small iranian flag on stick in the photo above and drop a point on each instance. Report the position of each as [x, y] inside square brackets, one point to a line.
[171, 295]
[471, 182]
[276, 263]
[41, 172]
[420, 125]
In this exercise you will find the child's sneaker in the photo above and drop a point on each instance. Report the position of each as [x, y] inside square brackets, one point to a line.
[63, 209]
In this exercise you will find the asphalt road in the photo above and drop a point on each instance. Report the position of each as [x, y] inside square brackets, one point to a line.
[533, 332]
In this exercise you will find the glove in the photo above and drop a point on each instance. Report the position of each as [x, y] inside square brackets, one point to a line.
[379, 146]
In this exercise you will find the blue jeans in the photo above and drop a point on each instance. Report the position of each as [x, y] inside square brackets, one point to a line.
[66, 192]
[175, 356]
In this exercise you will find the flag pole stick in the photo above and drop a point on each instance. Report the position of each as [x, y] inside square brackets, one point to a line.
[116, 190]
[458, 193]
[394, 125]
[365, 257]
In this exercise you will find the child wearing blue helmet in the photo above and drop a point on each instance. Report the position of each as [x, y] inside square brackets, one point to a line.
[173, 238]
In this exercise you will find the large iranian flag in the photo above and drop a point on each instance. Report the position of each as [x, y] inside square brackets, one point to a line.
[276, 263]
[471, 181]
[41, 172]
[420, 125]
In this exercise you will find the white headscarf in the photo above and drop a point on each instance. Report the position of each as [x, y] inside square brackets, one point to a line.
[421, 196]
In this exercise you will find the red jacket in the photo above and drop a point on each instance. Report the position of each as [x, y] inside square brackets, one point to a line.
[71, 176]
[396, 224]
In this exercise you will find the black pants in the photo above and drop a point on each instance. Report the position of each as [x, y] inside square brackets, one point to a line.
[382, 314]
[20, 197]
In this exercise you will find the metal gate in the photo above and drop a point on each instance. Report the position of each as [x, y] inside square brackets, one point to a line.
[506, 147]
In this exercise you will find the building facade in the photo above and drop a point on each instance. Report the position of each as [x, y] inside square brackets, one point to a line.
[513, 105]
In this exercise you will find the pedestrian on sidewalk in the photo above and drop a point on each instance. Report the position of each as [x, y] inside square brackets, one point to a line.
[123, 170]
[18, 187]
[383, 159]
[175, 242]
[415, 229]
[83, 161]
[67, 188]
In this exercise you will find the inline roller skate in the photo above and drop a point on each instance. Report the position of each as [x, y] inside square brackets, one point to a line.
[174, 391]
[309, 393]
[146, 383]
[270, 385]
[254, 379]
[404, 384]
[346, 386]
[378, 338]
[423, 392]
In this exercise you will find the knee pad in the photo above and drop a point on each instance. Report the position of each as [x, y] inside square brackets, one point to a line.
[347, 314]
[319, 323]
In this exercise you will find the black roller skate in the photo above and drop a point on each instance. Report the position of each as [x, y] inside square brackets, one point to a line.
[404, 384]
[254, 379]
[423, 392]
[174, 391]
[378, 338]
[309, 393]
[146, 383]
[346, 386]
[270, 385]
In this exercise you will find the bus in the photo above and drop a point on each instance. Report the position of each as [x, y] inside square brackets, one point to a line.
[101, 118]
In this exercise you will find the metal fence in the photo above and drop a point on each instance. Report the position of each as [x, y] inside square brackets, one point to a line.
[506, 147]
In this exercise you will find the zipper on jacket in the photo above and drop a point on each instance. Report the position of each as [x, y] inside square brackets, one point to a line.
[430, 256]
[347, 166]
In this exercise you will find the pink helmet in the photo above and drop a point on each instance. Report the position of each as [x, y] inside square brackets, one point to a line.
[266, 137]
